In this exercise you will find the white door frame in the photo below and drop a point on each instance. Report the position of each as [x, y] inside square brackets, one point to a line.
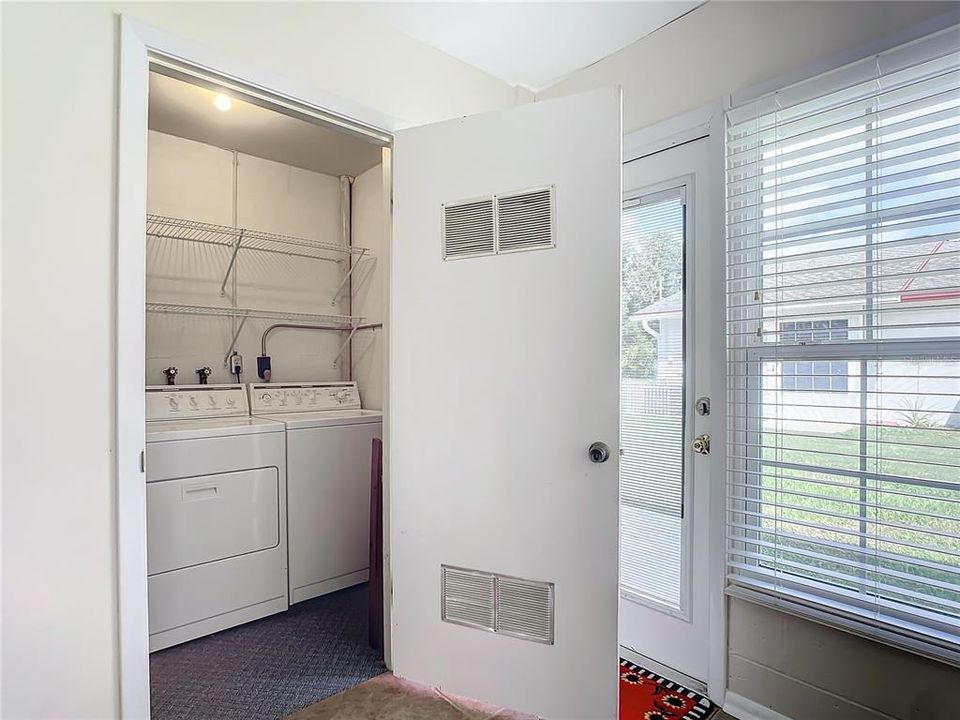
[706, 122]
[139, 44]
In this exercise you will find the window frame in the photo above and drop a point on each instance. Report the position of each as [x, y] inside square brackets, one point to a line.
[759, 127]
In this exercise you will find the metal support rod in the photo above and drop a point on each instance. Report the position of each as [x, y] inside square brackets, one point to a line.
[234, 280]
[344, 345]
[353, 266]
[331, 328]
[233, 342]
[346, 237]
[233, 259]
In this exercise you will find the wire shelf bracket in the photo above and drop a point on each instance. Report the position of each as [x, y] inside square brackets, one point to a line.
[348, 275]
[345, 344]
[233, 260]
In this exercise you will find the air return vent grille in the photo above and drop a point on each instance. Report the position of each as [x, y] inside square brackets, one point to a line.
[468, 597]
[525, 220]
[502, 223]
[498, 603]
[468, 229]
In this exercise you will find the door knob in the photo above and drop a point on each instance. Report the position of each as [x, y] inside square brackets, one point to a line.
[599, 452]
[701, 444]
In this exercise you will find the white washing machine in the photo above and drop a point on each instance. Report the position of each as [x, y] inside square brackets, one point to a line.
[216, 512]
[329, 442]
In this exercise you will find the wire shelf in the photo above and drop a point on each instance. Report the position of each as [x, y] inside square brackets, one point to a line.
[171, 228]
[347, 321]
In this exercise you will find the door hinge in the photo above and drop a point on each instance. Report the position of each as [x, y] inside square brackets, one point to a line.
[143, 461]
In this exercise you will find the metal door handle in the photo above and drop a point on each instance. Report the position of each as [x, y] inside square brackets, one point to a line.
[599, 452]
[701, 444]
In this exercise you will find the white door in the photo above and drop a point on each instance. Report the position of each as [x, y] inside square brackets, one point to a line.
[669, 361]
[503, 366]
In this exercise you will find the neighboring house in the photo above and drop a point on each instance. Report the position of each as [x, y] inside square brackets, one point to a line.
[832, 385]
[667, 313]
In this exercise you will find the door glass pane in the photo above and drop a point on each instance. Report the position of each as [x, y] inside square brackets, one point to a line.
[651, 398]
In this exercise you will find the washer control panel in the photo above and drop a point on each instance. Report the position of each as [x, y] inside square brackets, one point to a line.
[178, 402]
[303, 397]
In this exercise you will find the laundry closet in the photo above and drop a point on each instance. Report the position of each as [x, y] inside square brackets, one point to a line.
[264, 375]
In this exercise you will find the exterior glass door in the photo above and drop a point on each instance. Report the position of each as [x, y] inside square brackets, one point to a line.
[669, 332]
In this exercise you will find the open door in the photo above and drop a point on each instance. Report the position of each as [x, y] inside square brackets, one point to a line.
[503, 406]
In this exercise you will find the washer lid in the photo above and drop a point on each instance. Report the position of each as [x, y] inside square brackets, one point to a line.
[161, 431]
[326, 418]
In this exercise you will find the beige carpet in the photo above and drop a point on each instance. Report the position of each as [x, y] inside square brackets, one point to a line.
[386, 697]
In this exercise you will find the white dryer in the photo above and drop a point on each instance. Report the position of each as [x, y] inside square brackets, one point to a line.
[329, 440]
[216, 512]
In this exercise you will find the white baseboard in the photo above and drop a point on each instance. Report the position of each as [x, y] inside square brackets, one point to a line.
[745, 709]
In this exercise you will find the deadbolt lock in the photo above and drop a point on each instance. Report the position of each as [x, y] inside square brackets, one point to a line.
[701, 444]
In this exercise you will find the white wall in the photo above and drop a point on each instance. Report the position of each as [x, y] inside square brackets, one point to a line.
[191, 180]
[803, 670]
[59, 65]
[369, 300]
[722, 47]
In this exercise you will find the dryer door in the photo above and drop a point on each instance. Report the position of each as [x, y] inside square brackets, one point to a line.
[198, 520]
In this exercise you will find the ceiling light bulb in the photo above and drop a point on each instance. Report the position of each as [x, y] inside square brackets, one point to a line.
[222, 102]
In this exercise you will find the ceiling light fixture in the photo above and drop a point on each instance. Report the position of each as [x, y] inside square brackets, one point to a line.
[222, 102]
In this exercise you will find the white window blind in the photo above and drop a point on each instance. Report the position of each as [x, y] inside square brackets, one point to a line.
[843, 307]
[652, 443]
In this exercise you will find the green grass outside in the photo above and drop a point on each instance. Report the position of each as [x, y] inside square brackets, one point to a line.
[926, 454]
[914, 452]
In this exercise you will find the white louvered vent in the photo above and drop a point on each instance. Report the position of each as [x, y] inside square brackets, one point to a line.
[467, 597]
[468, 229]
[525, 220]
[498, 603]
[525, 609]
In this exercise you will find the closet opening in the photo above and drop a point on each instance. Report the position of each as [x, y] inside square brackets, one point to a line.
[267, 230]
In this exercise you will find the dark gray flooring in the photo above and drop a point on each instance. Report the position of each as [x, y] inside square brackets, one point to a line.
[267, 668]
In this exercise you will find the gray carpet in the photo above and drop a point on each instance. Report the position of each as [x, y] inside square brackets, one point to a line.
[268, 668]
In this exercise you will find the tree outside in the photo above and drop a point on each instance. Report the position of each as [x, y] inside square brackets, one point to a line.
[652, 269]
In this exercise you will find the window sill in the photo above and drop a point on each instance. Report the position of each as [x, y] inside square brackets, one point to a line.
[848, 622]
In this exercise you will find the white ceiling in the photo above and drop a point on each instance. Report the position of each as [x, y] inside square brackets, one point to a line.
[185, 110]
[531, 44]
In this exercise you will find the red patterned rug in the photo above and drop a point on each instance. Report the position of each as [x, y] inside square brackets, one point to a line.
[647, 696]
